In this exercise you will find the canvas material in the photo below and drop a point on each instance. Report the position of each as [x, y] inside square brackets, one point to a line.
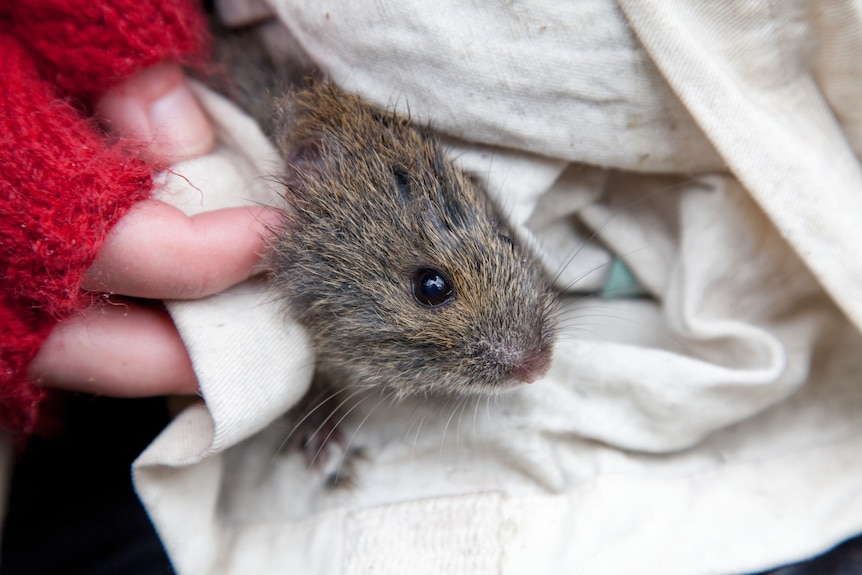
[712, 429]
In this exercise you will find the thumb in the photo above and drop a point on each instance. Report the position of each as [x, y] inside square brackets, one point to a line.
[157, 108]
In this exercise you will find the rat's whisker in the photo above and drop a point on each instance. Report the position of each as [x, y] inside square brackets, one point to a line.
[476, 402]
[459, 401]
[598, 230]
[347, 452]
[319, 404]
[416, 437]
[335, 426]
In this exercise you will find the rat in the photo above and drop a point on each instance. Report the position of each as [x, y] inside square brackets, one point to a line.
[404, 272]
[402, 269]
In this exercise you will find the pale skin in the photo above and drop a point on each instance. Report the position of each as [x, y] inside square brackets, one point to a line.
[125, 349]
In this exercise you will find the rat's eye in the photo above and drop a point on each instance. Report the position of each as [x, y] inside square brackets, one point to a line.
[431, 287]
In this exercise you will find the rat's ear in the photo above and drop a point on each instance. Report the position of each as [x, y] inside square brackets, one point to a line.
[306, 160]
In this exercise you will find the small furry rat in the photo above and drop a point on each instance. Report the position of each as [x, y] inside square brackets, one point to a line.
[398, 264]
[404, 272]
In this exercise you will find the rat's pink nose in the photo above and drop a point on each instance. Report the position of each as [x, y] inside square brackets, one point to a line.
[526, 365]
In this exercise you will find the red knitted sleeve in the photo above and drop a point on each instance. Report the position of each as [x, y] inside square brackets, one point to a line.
[62, 187]
[90, 46]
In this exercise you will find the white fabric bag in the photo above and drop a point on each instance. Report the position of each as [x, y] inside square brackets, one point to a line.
[714, 428]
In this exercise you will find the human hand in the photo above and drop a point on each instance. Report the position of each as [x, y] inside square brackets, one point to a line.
[126, 348]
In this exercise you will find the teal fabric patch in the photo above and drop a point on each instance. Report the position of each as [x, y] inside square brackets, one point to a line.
[621, 283]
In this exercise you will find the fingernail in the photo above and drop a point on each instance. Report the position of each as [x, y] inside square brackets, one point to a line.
[180, 128]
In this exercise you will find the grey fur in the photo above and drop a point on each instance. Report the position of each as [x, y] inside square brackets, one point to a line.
[371, 199]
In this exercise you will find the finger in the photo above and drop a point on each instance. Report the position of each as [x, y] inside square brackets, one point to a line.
[157, 252]
[157, 108]
[121, 350]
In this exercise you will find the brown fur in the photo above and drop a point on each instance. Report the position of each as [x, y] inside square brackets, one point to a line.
[371, 199]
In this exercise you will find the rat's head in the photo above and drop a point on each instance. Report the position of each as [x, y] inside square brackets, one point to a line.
[397, 263]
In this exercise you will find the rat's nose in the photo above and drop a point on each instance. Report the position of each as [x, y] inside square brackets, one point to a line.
[532, 366]
[526, 365]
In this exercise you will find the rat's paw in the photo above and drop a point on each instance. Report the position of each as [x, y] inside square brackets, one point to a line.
[318, 436]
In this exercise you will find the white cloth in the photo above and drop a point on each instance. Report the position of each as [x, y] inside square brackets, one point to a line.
[715, 429]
